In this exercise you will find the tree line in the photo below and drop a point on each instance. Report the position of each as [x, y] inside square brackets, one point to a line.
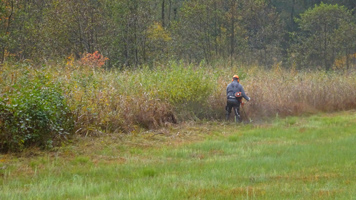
[300, 33]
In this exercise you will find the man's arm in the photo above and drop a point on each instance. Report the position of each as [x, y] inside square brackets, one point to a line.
[244, 94]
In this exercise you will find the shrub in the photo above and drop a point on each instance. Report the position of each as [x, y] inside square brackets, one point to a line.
[33, 112]
[186, 87]
[95, 60]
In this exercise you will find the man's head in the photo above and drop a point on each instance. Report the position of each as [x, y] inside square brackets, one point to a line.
[236, 77]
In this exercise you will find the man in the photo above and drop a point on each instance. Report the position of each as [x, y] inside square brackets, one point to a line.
[234, 93]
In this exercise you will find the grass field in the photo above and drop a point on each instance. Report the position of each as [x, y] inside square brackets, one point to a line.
[293, 158]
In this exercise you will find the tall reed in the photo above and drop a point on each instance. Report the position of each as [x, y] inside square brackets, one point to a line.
[126, 101]
[288, 92]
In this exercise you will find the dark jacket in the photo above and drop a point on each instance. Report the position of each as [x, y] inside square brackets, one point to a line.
[234, 87]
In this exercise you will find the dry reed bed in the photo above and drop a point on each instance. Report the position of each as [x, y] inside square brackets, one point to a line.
[125, 101]
[113, 102]
[287, 92]
[130, 104]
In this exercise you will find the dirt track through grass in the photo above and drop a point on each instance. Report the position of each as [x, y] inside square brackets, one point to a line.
[293, 158]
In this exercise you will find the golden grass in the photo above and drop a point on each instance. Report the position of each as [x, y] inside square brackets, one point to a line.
[126, 101]
[284, 92]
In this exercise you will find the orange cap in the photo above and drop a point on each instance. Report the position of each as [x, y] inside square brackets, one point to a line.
[235, 76]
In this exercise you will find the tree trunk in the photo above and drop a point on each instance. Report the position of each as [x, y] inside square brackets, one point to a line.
[169, 12]
[292, 16]
[135, 34]
[7, 31]
[325, 49]
[232, 39]
[163, 25]
[127, 42]
[216, 29]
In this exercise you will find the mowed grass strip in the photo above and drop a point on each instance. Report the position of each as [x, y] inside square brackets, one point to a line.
[292, 158]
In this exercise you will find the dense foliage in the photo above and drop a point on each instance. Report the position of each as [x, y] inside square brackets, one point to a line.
[33, 112]
[309, 34]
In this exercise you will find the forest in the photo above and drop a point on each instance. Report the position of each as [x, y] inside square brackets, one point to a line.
[303, 34]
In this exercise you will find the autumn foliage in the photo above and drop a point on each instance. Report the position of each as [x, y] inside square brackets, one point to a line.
[95, 60]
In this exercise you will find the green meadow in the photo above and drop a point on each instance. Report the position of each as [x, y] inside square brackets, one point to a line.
[310, 157]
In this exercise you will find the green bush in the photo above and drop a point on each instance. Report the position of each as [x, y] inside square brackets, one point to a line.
[33, 112]
[177, 83]
[186, 87]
